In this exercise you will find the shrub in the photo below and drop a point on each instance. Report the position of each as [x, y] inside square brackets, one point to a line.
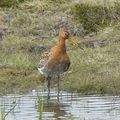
[58, 1]
[10, 3]
[95, 16]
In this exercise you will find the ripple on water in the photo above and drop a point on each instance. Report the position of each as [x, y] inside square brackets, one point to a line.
[71, 106]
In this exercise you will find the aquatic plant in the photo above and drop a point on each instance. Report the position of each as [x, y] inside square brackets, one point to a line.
[4, 115]
[40, 107]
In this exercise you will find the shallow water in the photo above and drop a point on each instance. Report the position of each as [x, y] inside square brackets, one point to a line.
[70, 106]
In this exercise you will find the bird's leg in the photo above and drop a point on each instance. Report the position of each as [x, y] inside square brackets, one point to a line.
[48, 86]
[48, 96]
[58, 86]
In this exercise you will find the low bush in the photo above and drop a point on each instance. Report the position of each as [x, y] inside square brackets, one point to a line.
[93, 17]
[10, 3]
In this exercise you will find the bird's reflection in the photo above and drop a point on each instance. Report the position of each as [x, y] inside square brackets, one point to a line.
[49, 95]
[53, 106]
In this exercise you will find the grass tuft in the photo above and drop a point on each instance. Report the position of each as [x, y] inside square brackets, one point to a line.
[94, 17]
[26, 31]
[40, 107]
[95, 70]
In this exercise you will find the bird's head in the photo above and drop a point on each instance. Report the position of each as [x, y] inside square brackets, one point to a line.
[64, 34]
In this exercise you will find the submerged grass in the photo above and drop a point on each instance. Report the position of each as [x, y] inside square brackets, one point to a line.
[40, 107]
[3, 115]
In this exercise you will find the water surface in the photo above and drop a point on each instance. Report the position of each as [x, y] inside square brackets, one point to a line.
[70, 106]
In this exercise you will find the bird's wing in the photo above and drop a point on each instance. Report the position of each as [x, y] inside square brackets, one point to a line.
[67, 66]
[44, 57]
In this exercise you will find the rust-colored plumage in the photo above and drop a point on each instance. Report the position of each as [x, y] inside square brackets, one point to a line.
[57, 62]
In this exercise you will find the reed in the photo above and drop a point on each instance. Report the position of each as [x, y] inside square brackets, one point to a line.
[40, 107]
[4, 115]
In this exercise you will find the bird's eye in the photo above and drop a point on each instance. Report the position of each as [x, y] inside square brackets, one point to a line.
[66, 33]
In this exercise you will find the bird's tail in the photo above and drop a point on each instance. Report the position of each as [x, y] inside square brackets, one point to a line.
[40, 70]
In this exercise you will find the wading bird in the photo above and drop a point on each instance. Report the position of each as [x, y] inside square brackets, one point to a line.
[57, 61]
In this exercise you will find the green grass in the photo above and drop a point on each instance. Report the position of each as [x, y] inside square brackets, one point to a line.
[18, 64]
[95, 70]
[3, 115]
[10, 3]
[32, 27]
[97, 16]
[40, 107]
[42, 19]
[20, 53]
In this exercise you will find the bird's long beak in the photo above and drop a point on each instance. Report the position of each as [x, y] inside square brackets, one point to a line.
[73, 41]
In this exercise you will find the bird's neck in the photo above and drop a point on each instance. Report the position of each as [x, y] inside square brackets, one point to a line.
[62, 41]
[62, 44]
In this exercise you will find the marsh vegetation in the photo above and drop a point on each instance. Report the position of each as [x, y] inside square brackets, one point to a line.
[32, 28]
[71, 106]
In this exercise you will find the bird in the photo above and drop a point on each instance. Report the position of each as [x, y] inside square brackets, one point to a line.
[57, 61]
